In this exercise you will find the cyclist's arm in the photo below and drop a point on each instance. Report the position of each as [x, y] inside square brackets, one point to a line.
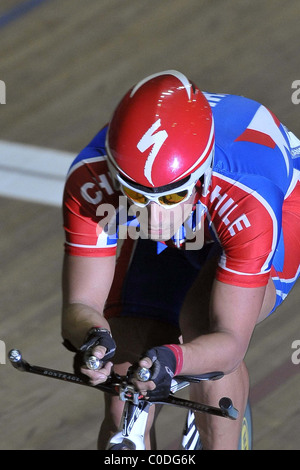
[86, 284]
[235, 309]
[234, 314]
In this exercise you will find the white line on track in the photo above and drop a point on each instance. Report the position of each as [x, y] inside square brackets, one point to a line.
[31, 173]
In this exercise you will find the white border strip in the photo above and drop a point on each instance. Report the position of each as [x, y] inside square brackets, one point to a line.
[33, 173]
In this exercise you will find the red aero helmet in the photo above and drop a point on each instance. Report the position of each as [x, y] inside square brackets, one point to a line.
[161, 132]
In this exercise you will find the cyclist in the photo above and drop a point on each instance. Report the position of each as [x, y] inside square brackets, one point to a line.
[208, 246]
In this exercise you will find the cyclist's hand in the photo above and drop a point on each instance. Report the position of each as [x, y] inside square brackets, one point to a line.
[98, 343]
[161, 362]
[98, 376]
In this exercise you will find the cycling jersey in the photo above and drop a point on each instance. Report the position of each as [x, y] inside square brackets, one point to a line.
[252, 207]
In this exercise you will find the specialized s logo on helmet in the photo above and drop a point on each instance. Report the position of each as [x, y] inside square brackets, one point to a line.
[155, 141]
[161, 132]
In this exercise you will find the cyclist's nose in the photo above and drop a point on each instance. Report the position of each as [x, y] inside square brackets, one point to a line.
[155, 214]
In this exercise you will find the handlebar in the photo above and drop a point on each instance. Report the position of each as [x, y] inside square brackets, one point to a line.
[19, 363]
[119, 385]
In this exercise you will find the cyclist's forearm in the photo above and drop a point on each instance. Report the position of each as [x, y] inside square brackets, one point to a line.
[218, 351]
[77, 319]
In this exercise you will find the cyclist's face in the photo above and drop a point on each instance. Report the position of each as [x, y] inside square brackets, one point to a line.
[162, 224]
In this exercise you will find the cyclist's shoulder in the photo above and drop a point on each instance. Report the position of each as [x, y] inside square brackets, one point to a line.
[241, 119]
[232, 116]
[92, 155]
[215, 98]
[230, 105]
[248, 137]
[88, 181]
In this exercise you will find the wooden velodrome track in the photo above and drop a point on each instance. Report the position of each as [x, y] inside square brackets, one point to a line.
[65, 64]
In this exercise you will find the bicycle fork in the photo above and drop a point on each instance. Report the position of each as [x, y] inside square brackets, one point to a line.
[132, 428]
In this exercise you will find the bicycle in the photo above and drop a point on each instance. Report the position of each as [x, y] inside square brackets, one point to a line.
[136, 408]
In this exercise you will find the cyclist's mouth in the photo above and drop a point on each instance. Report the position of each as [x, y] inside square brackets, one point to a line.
[160, 233]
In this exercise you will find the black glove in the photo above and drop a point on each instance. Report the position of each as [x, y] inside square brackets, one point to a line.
[95, 337]
[162, 371]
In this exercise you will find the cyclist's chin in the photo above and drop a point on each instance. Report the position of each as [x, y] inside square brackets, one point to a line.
[161, 234]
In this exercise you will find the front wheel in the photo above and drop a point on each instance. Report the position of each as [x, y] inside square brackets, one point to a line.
[125, 444]
[246, 432]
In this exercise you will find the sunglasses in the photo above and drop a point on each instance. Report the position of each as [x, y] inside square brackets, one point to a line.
[166, 200]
